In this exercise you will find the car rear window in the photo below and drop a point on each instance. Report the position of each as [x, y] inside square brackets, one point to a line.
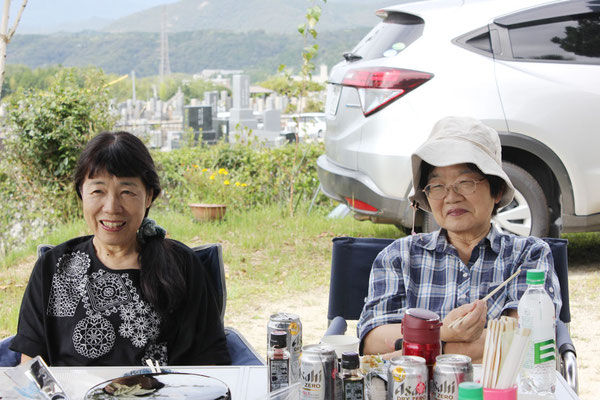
[574, 39]
[395, 33]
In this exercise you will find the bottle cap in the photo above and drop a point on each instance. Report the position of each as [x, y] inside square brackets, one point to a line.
[470, 391]
[278, 340]
[535, 276]
[350, 360]
[421, 326]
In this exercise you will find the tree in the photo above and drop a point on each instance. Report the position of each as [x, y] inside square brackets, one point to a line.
[307, 31]
[583, 40]
[49, 128]
[6, 35]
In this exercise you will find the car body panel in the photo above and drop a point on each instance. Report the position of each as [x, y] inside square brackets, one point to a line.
[517, 98]
[529, 92]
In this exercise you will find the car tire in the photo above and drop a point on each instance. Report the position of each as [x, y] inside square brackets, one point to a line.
[528, 214]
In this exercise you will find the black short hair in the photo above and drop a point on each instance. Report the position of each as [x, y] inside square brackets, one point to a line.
[120, 154]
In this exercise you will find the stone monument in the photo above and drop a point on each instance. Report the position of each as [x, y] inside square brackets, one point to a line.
[241, 117]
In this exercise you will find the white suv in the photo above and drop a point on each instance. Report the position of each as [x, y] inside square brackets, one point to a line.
[531, 73]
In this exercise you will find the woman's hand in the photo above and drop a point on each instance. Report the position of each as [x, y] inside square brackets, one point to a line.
[470, 328]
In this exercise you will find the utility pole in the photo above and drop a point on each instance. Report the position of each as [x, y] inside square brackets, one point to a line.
[133, 95]
[165, 66]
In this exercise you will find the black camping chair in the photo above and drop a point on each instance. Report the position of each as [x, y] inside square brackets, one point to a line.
[351, 262]
[211, 256]
[240, 350]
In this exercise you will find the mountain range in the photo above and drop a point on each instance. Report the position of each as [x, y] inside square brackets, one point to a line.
[280, 16]
[253, 35]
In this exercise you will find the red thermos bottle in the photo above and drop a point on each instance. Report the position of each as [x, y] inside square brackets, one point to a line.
[421, 333]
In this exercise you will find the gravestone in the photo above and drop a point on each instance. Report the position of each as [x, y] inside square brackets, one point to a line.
[272, 121]
[212, 99]
[241, 117]
[241, 91]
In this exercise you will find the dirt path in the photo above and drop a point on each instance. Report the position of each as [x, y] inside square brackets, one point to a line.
[584, 284]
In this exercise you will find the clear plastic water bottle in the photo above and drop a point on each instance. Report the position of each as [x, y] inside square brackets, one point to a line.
[537, 312]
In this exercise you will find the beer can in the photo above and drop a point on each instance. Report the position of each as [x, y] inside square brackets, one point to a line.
[449, 371]
[408, 378]
[318, 373]
[289, 323]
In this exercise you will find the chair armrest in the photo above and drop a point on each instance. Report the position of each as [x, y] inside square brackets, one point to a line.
[240, 350]
[337, 326]
[569, 370]
[563, 338]
[568, 357]
[8, 358]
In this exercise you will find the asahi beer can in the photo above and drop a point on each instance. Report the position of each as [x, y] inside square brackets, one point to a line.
[408, 378]
[449, 371]
[289, 323]
[318, 373]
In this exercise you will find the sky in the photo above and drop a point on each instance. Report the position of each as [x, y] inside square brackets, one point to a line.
[45, 16]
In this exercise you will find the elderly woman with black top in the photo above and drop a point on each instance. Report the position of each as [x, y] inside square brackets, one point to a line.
[458, 177]
[125, 294]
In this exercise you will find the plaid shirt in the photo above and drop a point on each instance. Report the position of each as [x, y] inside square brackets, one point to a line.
[425, 271]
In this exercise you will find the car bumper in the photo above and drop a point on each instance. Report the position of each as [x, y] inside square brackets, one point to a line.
[345, 185]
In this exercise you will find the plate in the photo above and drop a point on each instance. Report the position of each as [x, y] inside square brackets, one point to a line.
[166, 385]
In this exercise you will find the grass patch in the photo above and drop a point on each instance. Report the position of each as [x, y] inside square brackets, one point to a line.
[584, 248]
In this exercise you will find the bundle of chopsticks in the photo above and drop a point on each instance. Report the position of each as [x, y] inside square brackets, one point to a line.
[504, 353]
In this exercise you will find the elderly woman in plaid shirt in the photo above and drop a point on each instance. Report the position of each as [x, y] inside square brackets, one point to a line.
[457, 176]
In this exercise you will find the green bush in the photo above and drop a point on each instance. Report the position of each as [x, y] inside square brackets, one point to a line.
[47, 129]
[255, 175]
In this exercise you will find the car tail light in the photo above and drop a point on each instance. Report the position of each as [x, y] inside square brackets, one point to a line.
[378, 87]
[360, 205]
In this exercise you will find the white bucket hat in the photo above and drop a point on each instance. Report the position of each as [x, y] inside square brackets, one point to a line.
[460, 140]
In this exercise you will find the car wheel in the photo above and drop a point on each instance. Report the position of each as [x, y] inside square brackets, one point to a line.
[528, 213]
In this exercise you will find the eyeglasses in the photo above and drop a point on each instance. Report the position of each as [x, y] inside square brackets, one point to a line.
[437, 191]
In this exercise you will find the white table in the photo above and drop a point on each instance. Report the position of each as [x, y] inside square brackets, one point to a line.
[245, 382]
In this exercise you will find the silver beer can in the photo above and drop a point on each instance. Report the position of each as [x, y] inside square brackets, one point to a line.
[318, 373]
[449, 371]
[408, 378]
[289, 323]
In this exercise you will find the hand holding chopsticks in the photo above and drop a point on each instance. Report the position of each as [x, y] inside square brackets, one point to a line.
[458, 321]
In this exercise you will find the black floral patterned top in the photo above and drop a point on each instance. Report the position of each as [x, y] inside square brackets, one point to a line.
[76, 311]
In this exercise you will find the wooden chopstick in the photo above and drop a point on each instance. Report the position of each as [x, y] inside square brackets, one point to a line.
[155, 368]
[500, 286]
[457, 321]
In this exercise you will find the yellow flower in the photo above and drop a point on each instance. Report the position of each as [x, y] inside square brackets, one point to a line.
[222, 171]
[204, 169]
[244, 185]
[226, 183]
[196, 166]
[212, 177]
[225, 172]
[237, 184]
